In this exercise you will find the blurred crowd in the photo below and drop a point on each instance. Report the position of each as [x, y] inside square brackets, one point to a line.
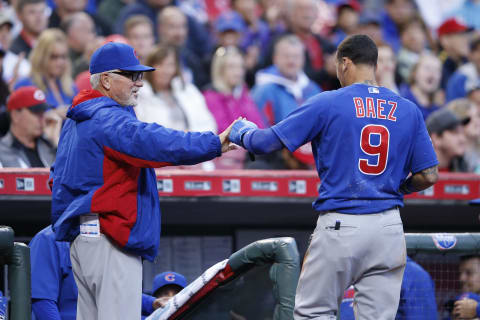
[218, 60]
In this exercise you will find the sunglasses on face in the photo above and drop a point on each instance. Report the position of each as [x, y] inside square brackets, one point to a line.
[134, 76]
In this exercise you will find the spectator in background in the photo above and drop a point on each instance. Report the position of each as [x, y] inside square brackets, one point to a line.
[139, 33]
[109, 10]
[54, 292]
[453, 36]
[33, 15]
[417, 296]
[170, 101]
[413, 37]
[14, 66]
[448, 138]
[274, 13]
[25, 146]
[198, 39]
[319, 52]
[4, 93]
[396, 14]
[424, 84]
[467, 306]
[256, 34]
[348, 13]
[284, 86]
[229, 28]
[370, 25]
[51, 70]
[473, 92]
[173, 31]
[66, 8]
[228, 97]
[80, 31]
[465, 109]
[386, 67]
[468, 73]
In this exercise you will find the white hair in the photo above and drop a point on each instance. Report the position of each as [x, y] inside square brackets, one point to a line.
[95, 80]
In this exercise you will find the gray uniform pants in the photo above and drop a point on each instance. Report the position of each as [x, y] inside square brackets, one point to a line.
[367, 251]
[109, 280]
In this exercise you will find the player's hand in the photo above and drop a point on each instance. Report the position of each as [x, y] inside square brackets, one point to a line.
[239, 129]
[224, 138]
[465, 309]
[160, 302]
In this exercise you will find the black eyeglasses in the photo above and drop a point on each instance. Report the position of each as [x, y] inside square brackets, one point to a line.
[134, 76]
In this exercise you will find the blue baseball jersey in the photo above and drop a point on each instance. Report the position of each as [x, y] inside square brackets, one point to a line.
[52, 276]
[365, 141]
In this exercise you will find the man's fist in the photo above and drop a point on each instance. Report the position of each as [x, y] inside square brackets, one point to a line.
[239, 129]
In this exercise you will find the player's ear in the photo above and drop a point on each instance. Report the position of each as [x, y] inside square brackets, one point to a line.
[105, 81]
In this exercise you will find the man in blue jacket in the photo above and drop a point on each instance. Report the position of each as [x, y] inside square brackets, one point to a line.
[105, 197]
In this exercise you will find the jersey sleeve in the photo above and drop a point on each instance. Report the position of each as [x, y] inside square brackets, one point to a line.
[423, 154]
[303, 124]
[45, 266]
[151, 145]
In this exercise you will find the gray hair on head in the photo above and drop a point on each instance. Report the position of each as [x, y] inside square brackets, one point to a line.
[95, 80]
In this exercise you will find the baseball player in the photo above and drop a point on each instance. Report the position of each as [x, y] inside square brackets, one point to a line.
[366, 140]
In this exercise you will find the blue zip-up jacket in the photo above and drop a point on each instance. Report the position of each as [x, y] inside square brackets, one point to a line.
[104, 165]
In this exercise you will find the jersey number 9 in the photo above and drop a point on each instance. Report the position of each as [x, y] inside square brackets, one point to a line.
[380, 150]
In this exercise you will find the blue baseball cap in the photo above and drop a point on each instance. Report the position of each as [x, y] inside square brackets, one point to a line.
[167, 278]
[115, 55]
[230, 21]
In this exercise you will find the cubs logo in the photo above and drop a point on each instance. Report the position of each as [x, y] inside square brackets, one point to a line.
[170, 277]
[444, 241]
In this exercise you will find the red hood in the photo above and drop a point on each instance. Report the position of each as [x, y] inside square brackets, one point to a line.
[85, 95]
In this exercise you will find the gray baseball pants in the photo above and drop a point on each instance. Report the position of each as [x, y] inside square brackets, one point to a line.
[109, 280]
[367, 251]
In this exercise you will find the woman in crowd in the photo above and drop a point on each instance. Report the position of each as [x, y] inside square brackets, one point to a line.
[51, 70]
[465, 109]
[386, 66]
[424, 85]
[168, 100]
[228, 97]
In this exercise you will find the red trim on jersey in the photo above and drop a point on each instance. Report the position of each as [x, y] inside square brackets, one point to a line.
[392, 111]
[85, 95]
[268, 111]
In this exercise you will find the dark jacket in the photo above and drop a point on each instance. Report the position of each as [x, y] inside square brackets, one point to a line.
[16, 158]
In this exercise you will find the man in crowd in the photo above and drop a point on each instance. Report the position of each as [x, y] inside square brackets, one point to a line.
[32, 14]
[25, 146]
[469, 72]
[284, 86]
[448, 138]
[105, 197]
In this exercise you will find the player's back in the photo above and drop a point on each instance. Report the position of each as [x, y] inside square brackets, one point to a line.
[366, 148]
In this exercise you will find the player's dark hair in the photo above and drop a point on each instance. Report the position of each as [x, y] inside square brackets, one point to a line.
[360, 49]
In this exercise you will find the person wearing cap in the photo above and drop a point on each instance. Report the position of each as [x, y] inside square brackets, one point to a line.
[467, 73]
[32, 14]
[24, 146]
[466, 305]
[453, 36]
[448, 138]
[370, 24]
[104, 195]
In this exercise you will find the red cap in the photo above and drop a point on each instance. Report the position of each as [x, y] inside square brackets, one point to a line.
[27, 97]
[354, 4]
[452, 25]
